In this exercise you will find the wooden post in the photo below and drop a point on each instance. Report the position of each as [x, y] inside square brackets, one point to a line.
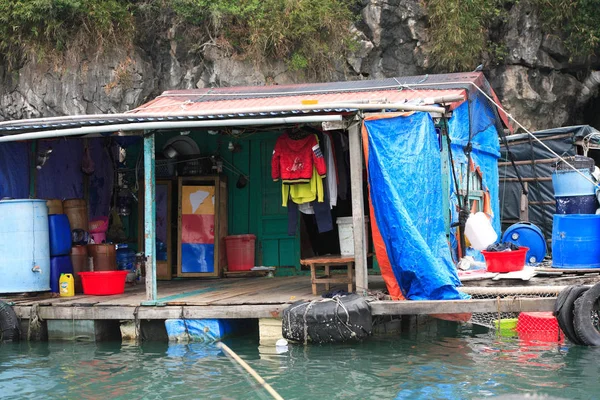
[358, 207]
[149, 218]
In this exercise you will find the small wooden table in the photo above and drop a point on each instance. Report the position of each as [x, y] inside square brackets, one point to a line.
[327, 279]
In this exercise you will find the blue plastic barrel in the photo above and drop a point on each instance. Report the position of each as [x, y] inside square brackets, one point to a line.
[576, 241]
[526, 234]
[24, 246]
[125, 258]
[60, 235]
[59, 265]
[569, 183]
[576, 205]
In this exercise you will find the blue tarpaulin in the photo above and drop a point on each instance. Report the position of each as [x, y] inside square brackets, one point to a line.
[405, 183]
[14, 170]
[481, 124]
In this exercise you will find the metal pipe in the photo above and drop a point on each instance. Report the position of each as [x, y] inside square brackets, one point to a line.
[227, 111]
[167, 125]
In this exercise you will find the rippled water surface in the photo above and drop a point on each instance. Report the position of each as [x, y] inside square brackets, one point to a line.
[459, 364]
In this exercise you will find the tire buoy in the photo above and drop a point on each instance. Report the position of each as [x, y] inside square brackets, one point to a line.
[340, 319]
[9, 324]
[583, 323]
[563, 311]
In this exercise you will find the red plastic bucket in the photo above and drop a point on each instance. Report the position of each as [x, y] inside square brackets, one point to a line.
[505, 261]
[103, 283]
[240, 252]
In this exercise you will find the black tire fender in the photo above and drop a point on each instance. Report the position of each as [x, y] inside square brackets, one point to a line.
[564, 311]
[585, 329]
[9, 324]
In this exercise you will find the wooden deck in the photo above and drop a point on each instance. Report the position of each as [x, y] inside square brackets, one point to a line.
[256, 297]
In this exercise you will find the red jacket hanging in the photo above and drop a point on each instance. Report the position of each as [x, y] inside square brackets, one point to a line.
[293, 160]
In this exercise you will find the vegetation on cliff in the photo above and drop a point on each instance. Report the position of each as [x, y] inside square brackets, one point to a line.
[310, 35]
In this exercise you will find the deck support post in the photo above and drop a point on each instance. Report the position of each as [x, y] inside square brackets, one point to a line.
[149, 217]
[358, 207]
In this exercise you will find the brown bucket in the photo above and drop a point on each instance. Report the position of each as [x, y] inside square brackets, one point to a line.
[55, 206]
[104, 257]
[76, 210]
[79, 259]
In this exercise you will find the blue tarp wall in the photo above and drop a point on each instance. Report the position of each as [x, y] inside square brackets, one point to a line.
[405, 184]
[477, 118]
[61, 176]
[405, 179]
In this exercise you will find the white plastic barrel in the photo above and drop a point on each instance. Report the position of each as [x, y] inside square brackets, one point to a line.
[346, 234]
[479, 231]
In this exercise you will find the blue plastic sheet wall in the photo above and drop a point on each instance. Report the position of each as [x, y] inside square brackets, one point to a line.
[481, 122]
[61, 176]
[406, 191]
[101, 180]
[14, 170]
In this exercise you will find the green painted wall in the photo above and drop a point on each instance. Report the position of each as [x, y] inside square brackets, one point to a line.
[255, 208]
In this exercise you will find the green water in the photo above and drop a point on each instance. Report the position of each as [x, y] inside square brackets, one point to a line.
[461, 364]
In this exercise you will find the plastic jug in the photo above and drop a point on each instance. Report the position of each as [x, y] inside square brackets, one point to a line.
[479, 231]
[66, 285]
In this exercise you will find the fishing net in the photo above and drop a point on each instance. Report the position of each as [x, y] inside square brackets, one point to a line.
[507, 324]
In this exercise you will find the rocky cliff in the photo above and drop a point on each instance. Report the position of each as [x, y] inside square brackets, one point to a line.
[537, 81]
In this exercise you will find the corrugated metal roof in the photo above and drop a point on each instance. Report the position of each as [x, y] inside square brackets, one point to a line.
[254, 101]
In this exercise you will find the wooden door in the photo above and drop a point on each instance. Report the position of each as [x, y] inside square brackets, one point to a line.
[269, 218]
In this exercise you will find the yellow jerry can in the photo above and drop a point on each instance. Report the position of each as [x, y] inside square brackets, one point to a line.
[66, 285]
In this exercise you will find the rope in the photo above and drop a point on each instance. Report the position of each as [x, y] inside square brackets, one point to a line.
[187, 331]
[136, 321]
[35, 321]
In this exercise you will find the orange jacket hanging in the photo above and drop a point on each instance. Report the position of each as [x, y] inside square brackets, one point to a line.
[293, 160]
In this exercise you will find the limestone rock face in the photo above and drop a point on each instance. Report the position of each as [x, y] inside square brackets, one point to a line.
[538, 82]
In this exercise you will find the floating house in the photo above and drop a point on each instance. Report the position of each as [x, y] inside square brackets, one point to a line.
[203, 183]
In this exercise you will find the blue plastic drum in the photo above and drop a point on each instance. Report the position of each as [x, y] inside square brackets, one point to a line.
[526, 234]
[60, 235]
[576, 241]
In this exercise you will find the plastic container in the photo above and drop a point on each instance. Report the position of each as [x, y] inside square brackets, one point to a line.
[103, 283]
[346, 234]
[79, 259]
[58, 266]
[59, 232]
[479, 231]
[125, 258]
[505, 261]
[103, 257]
[576, 204]
[24, 246]
[98, 227]
[576, 241]
[76, 210]
[539, 326]
[567, 183]
[526, 234]
[240, 252]
[55, 206]
[66, 285]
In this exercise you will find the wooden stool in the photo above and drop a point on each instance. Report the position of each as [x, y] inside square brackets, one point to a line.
[328, 279]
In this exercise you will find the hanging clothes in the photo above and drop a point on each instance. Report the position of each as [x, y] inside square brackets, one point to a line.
[331, 184]
[320, 206]
[342, 163]
[293, 160]
[301, 193]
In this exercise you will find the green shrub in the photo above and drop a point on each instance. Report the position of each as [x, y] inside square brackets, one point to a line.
[45, 26]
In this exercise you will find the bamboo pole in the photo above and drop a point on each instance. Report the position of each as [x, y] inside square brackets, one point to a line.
[249, 369]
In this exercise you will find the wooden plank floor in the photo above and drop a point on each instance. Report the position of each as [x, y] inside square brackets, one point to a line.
[198, 292]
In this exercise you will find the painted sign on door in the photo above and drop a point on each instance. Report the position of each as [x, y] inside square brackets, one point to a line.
[197, 229]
